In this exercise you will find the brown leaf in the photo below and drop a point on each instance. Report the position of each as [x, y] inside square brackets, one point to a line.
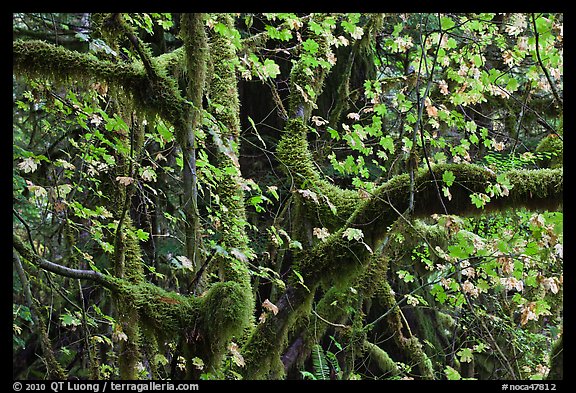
[262, 317]
[236, 355]
[268, 305]
[125, 180]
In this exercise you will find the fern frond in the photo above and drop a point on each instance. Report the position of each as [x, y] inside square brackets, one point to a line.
[321, 369]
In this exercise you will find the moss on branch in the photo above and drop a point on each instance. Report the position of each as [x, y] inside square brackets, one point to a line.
[333, 258]
[38, 59]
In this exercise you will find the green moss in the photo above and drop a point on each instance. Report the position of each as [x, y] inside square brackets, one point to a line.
[304, 78]
[537, 189]
[157, 95]
[262, 352]
[226, 306]
[557, 360]
[134, 271]
[294, 154]
[382, 359]
[263, 349]
[223, 90]
[223, 95]
[172, 62]
[226, 312]
[418, 358]
[552, 150]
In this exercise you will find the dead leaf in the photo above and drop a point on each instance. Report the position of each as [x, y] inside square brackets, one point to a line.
[321, 233]
[236, 355]
[125, 180]
[262, 317]
[268, 305]
[28, 165]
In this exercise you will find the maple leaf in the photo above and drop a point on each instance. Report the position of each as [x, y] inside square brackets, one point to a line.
[432, 111]
[198, 363]
[508, 58]
[517, 24]
[118, 334]
[353, 116]
[343, 41]
[319, 121]
[465, 355]
[443, 87]
[148, 174]
[125, 180]
[268, 305]
[321, 233]
[262, 317]
[28, 165]
[309, 195]
[184, 261]
[357, 33]
[527, 313]
[353, 233]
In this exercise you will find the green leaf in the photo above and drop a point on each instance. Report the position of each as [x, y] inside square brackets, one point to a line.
[448, 178]
[512, 85]
[333, 133]
[271, 69]
[301, 280]
[69, 320]
[387, 143]
[446, 23]
[452, 374]
[308, 375]
[406, 276]
[465, 355]
[439, 293]
[380, 109]
[295, 244]
[165, 132]
[353, 234]
[256, 131]
[142, 235]
[310, 46]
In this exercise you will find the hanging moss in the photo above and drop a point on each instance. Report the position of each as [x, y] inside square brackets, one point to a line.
[173, 63]
[157, 95]
[223, 88]
[223, 94]
[226, 312]
[418, 359]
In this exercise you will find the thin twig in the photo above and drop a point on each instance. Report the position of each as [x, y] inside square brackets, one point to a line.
[552, 86]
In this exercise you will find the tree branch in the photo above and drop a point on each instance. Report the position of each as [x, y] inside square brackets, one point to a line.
[552, 86]
[59, 269]
[159, 95]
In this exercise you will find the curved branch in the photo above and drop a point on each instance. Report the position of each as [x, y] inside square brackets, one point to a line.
[54, 368]
[59, 269]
